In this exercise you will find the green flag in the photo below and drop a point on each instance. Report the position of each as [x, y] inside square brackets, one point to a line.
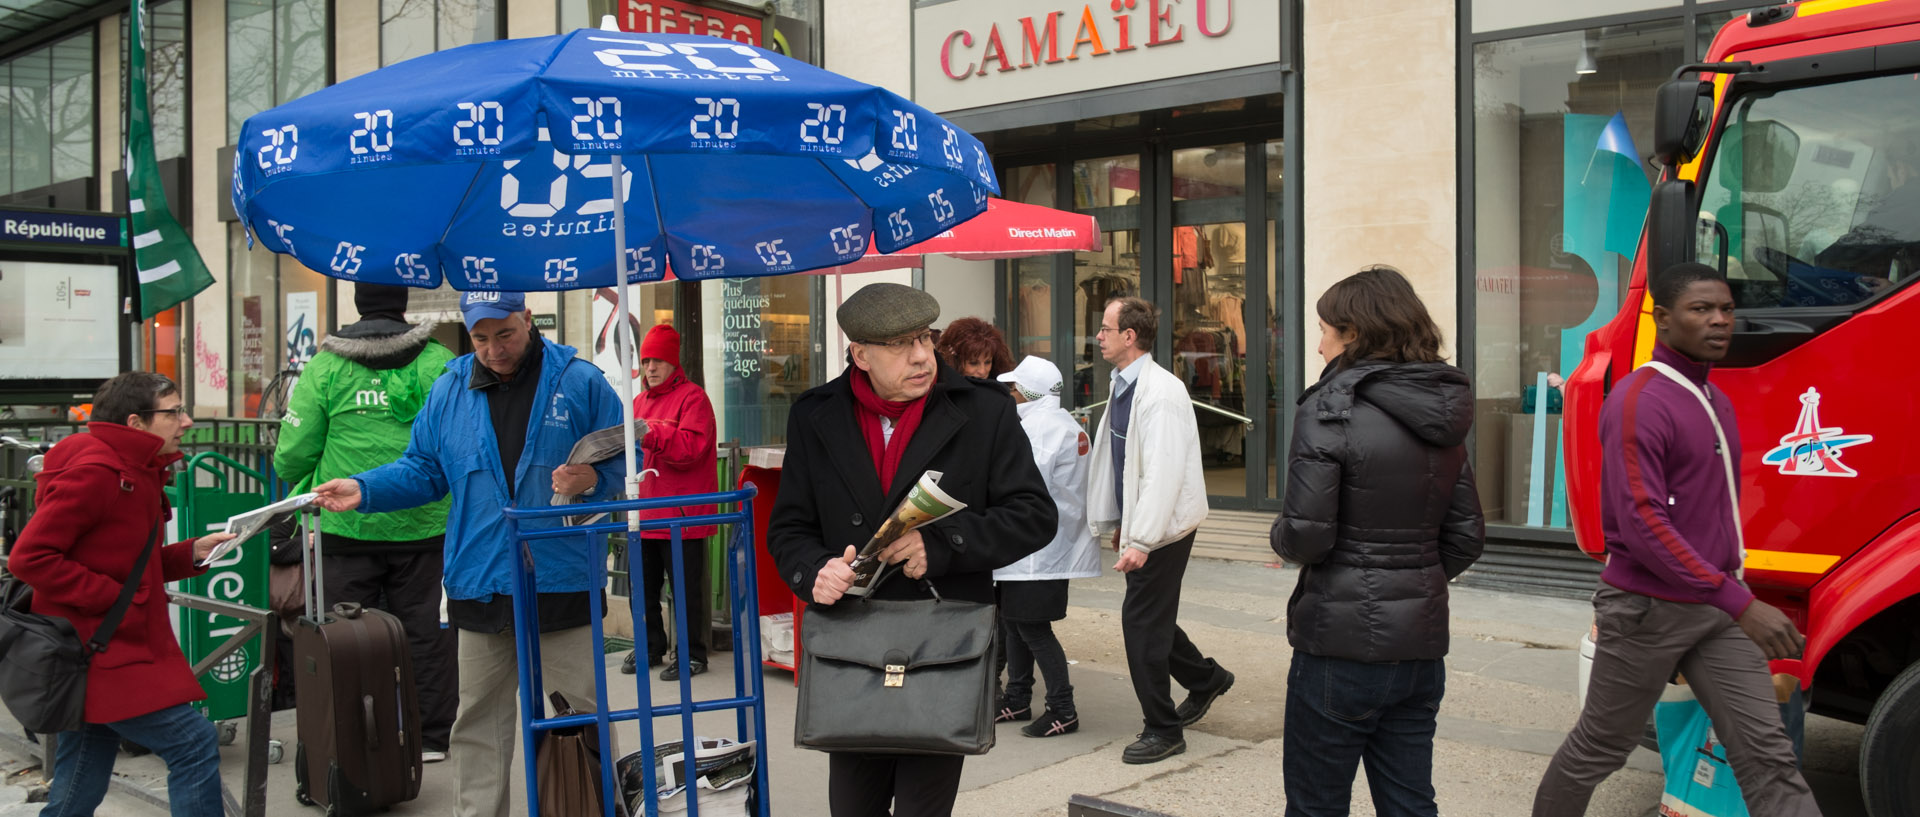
[169, 266]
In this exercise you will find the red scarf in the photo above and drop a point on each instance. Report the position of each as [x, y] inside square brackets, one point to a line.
[906, 419]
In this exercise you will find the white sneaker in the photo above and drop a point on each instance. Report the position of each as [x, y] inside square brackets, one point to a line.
[431, 756]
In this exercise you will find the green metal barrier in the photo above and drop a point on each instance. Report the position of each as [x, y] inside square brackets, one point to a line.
[240, 577]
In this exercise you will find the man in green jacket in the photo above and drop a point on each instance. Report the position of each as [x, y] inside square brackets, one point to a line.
[353, 411]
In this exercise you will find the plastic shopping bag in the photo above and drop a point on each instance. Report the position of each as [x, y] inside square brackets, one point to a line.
[1699, 781]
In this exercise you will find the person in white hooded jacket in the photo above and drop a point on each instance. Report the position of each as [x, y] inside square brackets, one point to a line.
[1146, 495]
[1033, 591]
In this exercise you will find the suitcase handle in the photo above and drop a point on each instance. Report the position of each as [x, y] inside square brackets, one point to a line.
[347, 610]
[366, 712]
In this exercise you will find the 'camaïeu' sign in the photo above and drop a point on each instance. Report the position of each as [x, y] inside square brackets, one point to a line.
[975, 53]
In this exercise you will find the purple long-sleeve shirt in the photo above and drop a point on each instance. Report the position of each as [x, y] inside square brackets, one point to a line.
[1663, 489]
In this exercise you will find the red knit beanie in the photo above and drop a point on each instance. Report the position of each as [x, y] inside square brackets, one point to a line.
[661, 343]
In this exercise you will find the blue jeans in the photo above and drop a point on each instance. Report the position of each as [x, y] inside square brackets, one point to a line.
[181, 736]
[1342, 712]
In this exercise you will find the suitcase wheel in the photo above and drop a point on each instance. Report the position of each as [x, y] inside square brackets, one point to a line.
[300, 775]
[229, 732]
[276, 751]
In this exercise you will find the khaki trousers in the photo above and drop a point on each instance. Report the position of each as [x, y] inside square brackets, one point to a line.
[1642, 641]
[487, 728]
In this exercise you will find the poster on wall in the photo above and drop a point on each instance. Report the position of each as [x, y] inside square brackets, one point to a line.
[59, 321]
[605, 352]
[253, 354]
[303, 333]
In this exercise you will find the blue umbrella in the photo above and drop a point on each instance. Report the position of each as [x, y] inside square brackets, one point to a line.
[493, 166]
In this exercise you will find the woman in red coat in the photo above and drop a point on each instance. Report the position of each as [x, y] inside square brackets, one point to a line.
[680, 447]
[98, 504]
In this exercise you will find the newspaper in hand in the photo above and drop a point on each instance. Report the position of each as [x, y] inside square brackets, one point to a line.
[249, 524]
[593, 449]
[925, 503]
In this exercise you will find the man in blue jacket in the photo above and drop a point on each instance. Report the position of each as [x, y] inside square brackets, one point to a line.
[495, 435]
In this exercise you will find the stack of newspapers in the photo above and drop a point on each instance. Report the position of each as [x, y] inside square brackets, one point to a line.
[722, 771]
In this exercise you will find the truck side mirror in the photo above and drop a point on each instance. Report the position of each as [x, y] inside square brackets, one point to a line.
[1681, 111]
[1671, 224]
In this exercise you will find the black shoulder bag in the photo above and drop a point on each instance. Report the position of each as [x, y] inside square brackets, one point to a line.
[43, 680]
[897, 677]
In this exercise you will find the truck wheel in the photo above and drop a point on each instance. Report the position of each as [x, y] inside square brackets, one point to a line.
[1890, 750]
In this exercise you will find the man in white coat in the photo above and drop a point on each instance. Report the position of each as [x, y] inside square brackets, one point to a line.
[1033, 591]
[1146, 495]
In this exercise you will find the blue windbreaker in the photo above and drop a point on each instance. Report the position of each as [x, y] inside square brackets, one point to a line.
[454, 449]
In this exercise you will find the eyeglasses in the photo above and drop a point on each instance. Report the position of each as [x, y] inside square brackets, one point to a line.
[1105, 330]
[903, 344]
[177, 411]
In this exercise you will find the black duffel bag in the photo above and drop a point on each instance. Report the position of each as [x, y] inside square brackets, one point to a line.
[897, 677]
[43, 677]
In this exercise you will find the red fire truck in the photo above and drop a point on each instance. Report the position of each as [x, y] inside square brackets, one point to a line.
[1791, 161]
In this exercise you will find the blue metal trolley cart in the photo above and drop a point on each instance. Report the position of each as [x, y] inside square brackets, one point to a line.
[749, 699]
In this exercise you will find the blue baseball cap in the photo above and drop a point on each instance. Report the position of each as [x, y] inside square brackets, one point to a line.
[479, 306]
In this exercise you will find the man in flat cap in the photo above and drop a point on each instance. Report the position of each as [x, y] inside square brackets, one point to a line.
[855, 446]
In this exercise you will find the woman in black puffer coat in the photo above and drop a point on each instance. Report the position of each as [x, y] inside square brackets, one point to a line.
[1380, 512]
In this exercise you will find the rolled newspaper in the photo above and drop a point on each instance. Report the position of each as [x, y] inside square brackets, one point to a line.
[925, 503]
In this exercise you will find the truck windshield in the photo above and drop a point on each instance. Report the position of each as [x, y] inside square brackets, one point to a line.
[1812, 199]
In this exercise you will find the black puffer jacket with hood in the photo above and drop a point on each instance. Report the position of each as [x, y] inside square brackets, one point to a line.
[1380, 510]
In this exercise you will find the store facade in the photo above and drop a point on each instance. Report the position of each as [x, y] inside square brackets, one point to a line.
[1239, 156]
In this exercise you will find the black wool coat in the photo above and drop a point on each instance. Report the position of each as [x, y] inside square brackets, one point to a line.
[830, 493]
[1380, 510]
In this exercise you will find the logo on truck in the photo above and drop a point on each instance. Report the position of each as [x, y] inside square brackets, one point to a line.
[1813, 451]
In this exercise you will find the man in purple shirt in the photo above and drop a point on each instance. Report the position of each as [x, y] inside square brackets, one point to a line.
[1671, 597]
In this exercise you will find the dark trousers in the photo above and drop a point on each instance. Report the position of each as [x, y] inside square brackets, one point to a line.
[408, 586]
[1157, 649]
[655, 559]
[1642, 641]
[1029, 643]
[1341, 713]
[917, 785]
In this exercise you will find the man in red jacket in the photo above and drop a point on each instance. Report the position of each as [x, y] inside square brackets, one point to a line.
[99, 505]
[680, 446]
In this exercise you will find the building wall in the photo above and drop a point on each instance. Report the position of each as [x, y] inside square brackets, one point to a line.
[205, 328]
[1378, 120]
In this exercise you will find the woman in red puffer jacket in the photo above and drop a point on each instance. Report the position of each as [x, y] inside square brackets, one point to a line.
[680, 447]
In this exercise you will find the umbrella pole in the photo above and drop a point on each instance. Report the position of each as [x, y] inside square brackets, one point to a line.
[624, 338]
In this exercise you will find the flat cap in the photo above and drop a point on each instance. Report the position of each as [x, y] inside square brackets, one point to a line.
[886, 311]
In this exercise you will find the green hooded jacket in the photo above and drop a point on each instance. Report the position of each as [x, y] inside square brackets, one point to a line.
[353, 411]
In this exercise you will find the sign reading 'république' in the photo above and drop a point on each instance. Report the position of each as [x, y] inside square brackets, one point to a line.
[62, 228]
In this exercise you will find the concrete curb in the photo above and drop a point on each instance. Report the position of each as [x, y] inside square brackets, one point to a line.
[19, 745]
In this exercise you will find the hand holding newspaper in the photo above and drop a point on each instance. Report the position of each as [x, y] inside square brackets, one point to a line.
[593, 449]
[247, 525]
[925, 503]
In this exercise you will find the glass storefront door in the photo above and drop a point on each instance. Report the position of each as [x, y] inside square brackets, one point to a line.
[1208, 304]
[1109, 189]
[1178, 229]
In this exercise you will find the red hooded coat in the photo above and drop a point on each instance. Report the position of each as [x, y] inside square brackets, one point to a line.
[97, 502]
[680, 445]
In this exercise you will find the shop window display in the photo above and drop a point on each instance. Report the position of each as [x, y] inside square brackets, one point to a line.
[1561, 123]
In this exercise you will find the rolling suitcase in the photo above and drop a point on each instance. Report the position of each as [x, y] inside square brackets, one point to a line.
[359, 713]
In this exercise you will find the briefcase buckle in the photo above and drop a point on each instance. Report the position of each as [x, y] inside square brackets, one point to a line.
[896, 675]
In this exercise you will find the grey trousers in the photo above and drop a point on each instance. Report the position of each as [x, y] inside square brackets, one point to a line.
[487, 730]
[1642, 640]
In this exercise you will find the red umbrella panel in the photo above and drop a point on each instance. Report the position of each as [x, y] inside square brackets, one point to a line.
[1008, 229]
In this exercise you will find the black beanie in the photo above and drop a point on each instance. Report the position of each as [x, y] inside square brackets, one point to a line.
[380, 301]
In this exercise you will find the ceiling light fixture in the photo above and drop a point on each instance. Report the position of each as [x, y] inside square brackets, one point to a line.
[1585, 64]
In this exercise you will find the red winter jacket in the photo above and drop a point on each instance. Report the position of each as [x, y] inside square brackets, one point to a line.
[680, 445]
[96, 504]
